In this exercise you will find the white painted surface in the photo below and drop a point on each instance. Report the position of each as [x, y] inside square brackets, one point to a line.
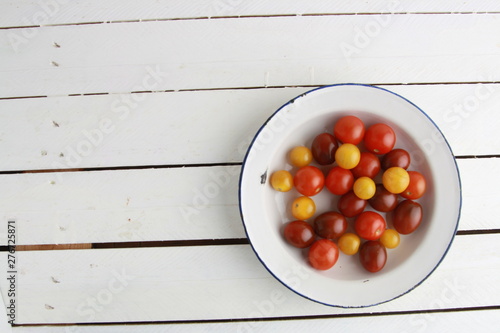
[249, 52]
[121, 206]
[214, 126]
[218, 282]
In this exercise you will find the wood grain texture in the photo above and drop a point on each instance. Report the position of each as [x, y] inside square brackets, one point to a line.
[48, 247]
[485, 320]
[62, 12]
[170, 204]
[195, 127]
[276, 51]
[220, 282]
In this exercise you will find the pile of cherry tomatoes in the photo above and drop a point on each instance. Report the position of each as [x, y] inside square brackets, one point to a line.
[352, 174]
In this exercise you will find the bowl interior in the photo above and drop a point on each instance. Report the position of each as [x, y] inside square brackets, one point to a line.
[265, 211]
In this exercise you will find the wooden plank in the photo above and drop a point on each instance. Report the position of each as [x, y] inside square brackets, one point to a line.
[478, 193]
[484, 320]
[218, 282]
[170, 204]
[206, 126]
[48, 247]
[121, 206]
[173, 55]
[28, 13]
[167, 128]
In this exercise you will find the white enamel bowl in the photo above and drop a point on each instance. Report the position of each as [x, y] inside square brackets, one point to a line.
[265, 211]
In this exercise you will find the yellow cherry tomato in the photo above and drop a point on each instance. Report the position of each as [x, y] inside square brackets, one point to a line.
[395, 180]
[303, 208]
[347, 156]
[282, 181]
[300, 156]
[364, 188]
[390, 238]
[349, 243]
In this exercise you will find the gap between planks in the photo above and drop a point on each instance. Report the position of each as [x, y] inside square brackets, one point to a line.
[312, 86]
[232, 17]
[332, 316]
[175, 243]
[173, 166]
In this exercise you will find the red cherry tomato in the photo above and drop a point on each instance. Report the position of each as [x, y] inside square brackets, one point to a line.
[323, 254]
[417, 186]
[299, 233]
[323, 148]
[349, 129]
[309, 180]
[380, 139]
[396, 158]
[330, 225]
[373, 256]
[339, 180]
[383, 200]
[368, 166]
[350, 205]
[407, 217]
[370, 225]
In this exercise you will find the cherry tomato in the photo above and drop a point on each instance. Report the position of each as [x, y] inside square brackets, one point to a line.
[323, 148]
[282, 181]
[383, 200]
[299, 233]
[370, 225]
[323, 254]
[349, 129]
[396, 158]
[339, 181]
[303, 208]
[380, 138]
[407, 217]
[309, 180]
[368, 166]
[330, 225]
[373, 256]
[350, 205]
[390, 238]
[364, 188]
[347, 156]
[417, 186]
[300, 156]
[349, 243]
[395, 179]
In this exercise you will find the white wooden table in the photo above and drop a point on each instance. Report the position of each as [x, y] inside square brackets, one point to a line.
[123, 125]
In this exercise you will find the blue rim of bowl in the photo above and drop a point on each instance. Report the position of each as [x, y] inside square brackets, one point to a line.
[292, 101]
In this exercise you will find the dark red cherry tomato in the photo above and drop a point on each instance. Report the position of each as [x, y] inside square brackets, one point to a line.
[349, 129]
[383, 200]
[339, 180]
[323, 254]
[407, 217]
[370, 225]
[380, 139]
[350, 205]
[372, 256]
[417, 186]
[299, 233]
[396, 158]
[309, 180]
[330, 225]
[368, 166]
[323, 148]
